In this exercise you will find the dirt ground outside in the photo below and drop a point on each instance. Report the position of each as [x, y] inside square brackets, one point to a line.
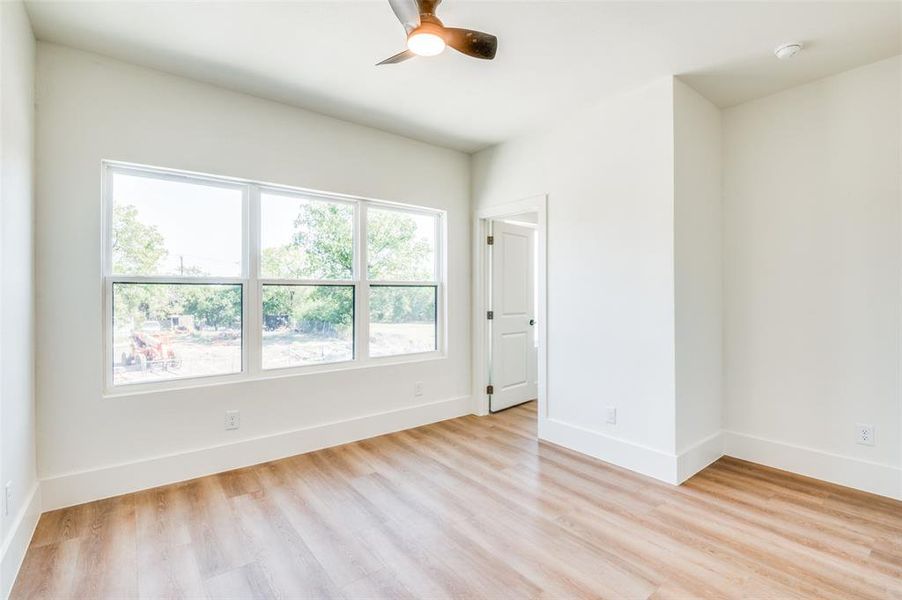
[206, 353]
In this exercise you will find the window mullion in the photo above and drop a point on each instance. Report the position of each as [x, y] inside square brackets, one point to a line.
[317, 282]
[253, 311]
[108, 333]
[106, 270]
[362, 294]
[390, 283]
[175, 280]
[441, 277]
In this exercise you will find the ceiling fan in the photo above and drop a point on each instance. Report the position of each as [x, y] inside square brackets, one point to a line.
[426, 36]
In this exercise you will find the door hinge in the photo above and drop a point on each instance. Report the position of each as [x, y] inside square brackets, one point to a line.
[490, 240]
[490, 315]
[490, 389]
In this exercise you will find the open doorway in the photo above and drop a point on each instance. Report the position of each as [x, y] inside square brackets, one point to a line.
[510, 329]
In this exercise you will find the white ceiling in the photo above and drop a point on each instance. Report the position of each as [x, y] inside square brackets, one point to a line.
[553, 56]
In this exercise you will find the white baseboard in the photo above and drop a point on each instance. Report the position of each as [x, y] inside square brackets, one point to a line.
[85, 486]
[17, 539]
[699, 455]
[629, 455]
[877, 478]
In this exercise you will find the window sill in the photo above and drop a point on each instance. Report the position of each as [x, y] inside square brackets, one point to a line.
[162, 387]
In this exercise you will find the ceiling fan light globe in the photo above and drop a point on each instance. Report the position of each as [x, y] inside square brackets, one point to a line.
[424, 43]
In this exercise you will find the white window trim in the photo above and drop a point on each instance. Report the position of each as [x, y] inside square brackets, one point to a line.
[252, 285]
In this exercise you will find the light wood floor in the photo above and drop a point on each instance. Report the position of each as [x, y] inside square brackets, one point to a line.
[471, 508]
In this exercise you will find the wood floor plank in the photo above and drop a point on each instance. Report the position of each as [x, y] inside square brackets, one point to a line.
[246, 581]
[218, 545]
[107, 562]
[336, 548]
[60, 525]
[281, 557]
[475, 507]
[167, 566]
[381, 585]
[50, 571]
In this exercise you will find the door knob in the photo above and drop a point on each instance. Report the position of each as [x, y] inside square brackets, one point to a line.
[532, 321]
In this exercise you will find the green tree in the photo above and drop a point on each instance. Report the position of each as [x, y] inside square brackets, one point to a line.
[278, 303]
[322, 247]
[282, 262]
[394, 250]
[323, 243]
[218, 306]
[402, 304]
[312, 309]
[138, 249]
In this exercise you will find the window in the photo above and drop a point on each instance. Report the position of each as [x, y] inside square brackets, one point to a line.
[307, 266]
[401, 266]
[217, 278]
[176, 293]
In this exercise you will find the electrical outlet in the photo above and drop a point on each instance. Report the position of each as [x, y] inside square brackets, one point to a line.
[418, 388]
[7, 497]
[610, 415]
[865, 434]
[232, 419]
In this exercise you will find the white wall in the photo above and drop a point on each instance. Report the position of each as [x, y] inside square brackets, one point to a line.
[608, 173]
[17, 413]
[92, 108]
[698, 278]
[812, 277]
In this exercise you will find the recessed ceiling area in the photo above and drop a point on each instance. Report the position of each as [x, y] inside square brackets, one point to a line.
[553, 57]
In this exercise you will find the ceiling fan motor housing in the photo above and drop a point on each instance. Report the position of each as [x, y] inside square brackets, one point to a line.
[429, 24]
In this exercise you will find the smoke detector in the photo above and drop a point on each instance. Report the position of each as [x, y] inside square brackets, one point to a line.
[787, 51]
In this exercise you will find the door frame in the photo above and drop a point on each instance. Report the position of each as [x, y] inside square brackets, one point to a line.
[481, 285]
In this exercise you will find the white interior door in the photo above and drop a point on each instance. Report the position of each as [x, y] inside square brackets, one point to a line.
[514, 357]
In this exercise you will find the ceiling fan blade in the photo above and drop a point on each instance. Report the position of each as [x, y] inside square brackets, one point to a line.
[472, 43]
[408, 12]
[399, 57]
